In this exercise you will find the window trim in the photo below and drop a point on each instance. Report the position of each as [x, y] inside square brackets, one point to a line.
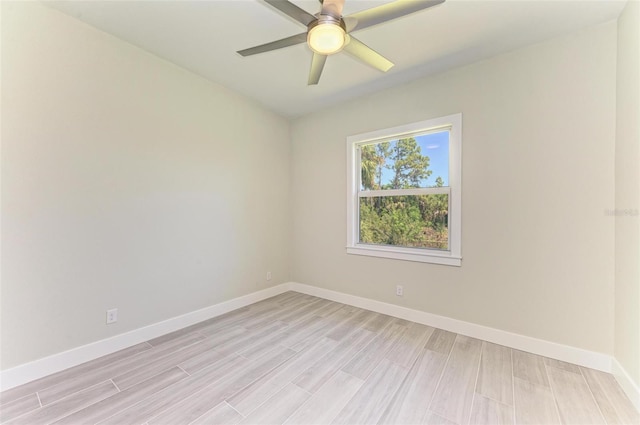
[451, 257]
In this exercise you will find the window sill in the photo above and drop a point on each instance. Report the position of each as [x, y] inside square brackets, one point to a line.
[406, 254]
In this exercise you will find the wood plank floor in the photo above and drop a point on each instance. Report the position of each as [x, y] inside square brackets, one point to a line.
[298, 359]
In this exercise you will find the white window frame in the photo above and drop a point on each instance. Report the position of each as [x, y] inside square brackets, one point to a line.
[451, 257]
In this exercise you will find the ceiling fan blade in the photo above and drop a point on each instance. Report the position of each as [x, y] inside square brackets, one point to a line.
[361, 51]
[332, 8]
[386, 12]
[317, 64]
[274, 45]
[293, 11]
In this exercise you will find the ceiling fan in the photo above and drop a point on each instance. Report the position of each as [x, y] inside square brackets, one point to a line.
[328, 32]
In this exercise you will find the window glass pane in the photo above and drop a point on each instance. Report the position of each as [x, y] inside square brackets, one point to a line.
[417, 161]
[419, 221]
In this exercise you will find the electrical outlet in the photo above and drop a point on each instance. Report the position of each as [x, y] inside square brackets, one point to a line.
[268, 275]
[112, 316]
[399, 290]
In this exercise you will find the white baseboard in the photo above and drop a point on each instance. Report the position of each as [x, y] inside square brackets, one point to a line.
[553, 350]
[628, 386]
[46, 366]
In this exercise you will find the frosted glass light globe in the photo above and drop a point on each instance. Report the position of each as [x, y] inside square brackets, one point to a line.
[326, 38]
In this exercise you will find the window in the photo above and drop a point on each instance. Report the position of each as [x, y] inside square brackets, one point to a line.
[404, 192]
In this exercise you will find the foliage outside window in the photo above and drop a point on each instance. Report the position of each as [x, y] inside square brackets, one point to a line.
[404, 196]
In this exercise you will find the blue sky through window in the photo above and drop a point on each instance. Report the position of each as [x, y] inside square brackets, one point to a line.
[436, 147]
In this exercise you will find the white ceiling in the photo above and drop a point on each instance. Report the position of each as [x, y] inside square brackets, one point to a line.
[203, 37]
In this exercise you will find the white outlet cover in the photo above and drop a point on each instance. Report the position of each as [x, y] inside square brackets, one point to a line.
[112, 315]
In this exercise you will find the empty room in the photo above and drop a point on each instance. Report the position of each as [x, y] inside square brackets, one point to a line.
[320, 212]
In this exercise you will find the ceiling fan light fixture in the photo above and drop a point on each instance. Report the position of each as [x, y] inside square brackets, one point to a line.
[326, 36]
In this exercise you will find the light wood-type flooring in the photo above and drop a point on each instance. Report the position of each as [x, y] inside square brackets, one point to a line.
[298, 359]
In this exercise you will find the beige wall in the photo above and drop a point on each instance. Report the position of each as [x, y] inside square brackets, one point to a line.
[538, 174]
[126, 182]
[627, 248]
